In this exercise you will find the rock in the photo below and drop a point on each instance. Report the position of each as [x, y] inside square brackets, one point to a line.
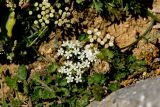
[145, 93]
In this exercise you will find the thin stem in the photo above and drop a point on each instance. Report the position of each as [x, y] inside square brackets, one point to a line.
[43, 84]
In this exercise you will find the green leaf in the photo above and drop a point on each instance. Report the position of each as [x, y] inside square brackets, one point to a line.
[22, 72]
[48, 79]
[15, 103]
[83, 101]
[98, 5]
[65, 91]
[42, 93]
[79, 1]
[97, 91]
[25, 87]
[83, 37]
[10, 23]
[120, 75]
[131, 58]
[36, 75]
[52, 68]
[96, 78]
[105, 54]
[4, 104]
[62, 82]
[114, 86]
[12, 83]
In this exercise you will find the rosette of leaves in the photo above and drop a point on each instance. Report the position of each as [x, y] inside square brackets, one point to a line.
[116, 10]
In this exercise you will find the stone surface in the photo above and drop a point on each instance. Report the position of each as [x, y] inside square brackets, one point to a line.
[142, 94]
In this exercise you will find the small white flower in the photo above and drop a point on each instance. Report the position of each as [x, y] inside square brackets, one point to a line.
[91, 40]
[36, 4]
[88, 52]
[60, 52]
[106, 46]
[40, 20]
[76, 51]
[71, 21]
[105, 39]
[59, 24]
[43, 24]
[47, 16]
[91, 44]
[60, 11]
[30, 12]
[68, 54]
[64, 14]
[47, 10]
[108, 36]
[98, 40]
[81, 57]
[79, 71]
[39, 16]
[73, 67]
[43, 8]
[67, 71]
[112, 38]
[52, 11]
[58, 5]
[56, 22]
[68, 25]
[47, 21]
[71, 45]
[40, 5]
[68, 63]
[89, 32]
[69, 79]
[51, 15]
[86, 63]
[65, 43]
[62, 69]
[66, 8]
[66, 1]
[79, 65]
[98, 33]
[43, 13]
[95, 30]
[77, 43]
[94, 37]
[102, 42]
[37, 8]
[90, 36]
[35, 22]
[48, 5]
[68, 13]
[78, 79]
[110, 44]
[45, 1]
[87, 46]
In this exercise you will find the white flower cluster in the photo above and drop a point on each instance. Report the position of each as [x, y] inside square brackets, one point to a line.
[77, 59]
[63, 18]
[10, 4]
[95, 35]
[46, 13]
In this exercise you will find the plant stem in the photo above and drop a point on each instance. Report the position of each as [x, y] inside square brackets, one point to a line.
[43, 84]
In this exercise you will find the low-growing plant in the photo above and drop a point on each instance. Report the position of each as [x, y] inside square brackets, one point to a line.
[52, 88]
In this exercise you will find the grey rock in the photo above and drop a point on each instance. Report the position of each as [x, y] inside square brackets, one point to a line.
[145, 93]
